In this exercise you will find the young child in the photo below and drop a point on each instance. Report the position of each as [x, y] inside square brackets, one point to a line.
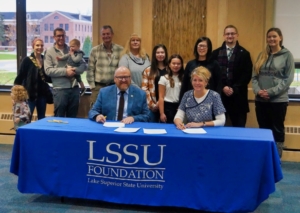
[169, 89]
[21, 111]
[74, 59]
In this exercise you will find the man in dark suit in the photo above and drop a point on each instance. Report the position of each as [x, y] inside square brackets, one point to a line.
[236, 68]
[121, 101]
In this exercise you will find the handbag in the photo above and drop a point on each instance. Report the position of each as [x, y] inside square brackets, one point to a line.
[49, 94]
[47, 88]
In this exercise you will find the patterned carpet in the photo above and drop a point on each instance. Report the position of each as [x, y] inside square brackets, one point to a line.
[286, 198]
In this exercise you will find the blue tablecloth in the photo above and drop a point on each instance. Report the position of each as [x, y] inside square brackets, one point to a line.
[227, 169]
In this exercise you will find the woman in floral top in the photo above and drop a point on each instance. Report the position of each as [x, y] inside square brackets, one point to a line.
[202, 107]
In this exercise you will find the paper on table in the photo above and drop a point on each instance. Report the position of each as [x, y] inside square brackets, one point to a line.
[120, 129]
[113, 124]
[155, 131]
[194, 131]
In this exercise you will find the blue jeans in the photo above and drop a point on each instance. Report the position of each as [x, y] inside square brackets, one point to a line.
[66, 102]
[40, 105]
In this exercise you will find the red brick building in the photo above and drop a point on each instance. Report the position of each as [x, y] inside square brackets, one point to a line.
[76, 26]
[42, 24]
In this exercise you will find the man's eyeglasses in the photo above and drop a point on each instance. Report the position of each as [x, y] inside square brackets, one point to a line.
[60, 36]
[230, 34]
[123, 77]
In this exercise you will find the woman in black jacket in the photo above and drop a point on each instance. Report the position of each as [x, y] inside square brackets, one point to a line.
[32, 76]
[202, 53]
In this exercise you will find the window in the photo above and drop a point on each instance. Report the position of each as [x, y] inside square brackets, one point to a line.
[67, 39]
[66, 27]
[75, 27]
[84, 28]
[78, 27]
[286, 18]
[34, 22]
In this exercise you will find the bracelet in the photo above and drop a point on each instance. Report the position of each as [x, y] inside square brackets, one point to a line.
[204, 124]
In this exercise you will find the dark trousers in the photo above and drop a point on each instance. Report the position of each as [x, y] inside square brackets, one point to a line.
[66, 102]
[272, 116]
[237, 119]
[170, 111]
[40, 105]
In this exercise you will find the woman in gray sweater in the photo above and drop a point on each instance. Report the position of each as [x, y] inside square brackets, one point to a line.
[273, 74]
[134, 57]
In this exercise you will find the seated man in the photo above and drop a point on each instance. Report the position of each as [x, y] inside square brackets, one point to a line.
[121, 101]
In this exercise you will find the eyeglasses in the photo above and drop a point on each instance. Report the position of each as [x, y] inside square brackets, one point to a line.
[228, 34]
[60, 36]
[120, 78]
[202, 46]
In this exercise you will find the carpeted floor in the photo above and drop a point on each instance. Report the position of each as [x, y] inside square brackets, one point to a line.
[286, 198]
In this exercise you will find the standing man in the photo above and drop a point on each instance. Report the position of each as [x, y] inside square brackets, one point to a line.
[236, 68]
[103, 62]
[65, 96]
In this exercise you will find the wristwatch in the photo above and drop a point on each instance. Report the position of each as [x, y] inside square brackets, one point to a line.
[204, 124]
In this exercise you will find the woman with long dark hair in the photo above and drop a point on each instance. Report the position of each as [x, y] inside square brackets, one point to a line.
[169, 89]
[202, 53]
[151, 76]
[272, 76]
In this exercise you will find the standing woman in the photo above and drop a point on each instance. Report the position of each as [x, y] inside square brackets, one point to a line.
[169, 89]
[272, 76]
[32, 76]
[151, 76]
[202, 53]
[134, 57]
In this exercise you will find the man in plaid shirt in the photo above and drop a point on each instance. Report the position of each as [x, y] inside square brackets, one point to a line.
[103, 62]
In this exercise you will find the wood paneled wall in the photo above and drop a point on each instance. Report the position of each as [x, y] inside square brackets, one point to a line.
[251, 17]
[178, 24]
[125, 17]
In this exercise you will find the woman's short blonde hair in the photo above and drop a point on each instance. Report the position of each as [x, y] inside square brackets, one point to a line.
[201, 72]
[19, 93]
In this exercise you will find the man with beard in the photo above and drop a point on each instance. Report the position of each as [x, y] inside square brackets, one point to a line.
[122, 101]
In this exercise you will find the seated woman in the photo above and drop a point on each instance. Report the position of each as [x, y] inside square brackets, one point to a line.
[200, 105]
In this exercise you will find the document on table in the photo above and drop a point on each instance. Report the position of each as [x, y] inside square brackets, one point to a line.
[194, 131]
[155, 131]
[120, 129]
[113, 124]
